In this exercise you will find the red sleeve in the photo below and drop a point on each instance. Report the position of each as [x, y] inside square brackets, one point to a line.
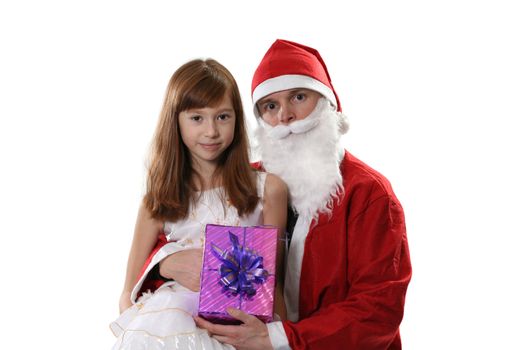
[378, 273]
[257, 166]
[153, 280]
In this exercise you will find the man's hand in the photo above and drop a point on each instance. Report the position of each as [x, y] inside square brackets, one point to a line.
[251, 335]
[183, 267]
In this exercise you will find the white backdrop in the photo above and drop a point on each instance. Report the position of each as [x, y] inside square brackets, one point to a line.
[434, 91]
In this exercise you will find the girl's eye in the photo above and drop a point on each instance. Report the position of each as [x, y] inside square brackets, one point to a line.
[223, 116]
[196, 118]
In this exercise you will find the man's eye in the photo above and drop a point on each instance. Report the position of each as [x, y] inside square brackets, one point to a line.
[300, 97]
[270, 106]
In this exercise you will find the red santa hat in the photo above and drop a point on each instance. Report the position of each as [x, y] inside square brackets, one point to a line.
[289, 65]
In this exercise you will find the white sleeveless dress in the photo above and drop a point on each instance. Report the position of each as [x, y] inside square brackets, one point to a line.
[163, 319]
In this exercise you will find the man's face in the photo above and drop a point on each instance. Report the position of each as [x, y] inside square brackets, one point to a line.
[287, 106]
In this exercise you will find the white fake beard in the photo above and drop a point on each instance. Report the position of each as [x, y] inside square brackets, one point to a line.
[305, 154]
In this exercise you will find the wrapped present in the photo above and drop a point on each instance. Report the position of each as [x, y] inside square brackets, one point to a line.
[238, 271]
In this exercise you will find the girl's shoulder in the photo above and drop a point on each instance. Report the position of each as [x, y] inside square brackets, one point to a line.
[146, 218]
[274, 187]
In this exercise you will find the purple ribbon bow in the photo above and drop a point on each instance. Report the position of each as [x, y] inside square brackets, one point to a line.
[241, 268]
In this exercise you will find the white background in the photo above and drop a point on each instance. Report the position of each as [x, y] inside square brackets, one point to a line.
[434, 91]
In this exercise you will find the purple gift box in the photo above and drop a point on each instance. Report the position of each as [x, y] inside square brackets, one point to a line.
[238, 271]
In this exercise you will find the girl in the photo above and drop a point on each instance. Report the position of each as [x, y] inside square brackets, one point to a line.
[199, 173]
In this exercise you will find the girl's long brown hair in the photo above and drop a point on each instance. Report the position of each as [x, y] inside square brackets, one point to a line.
[170, 190]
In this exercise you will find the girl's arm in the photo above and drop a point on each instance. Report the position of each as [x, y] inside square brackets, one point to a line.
[147, 230]
[275, 206]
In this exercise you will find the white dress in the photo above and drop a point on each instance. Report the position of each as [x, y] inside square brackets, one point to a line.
[163, 319]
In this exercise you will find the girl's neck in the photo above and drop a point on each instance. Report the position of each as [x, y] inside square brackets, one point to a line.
[204, 177]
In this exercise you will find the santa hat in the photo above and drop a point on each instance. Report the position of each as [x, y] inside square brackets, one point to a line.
[289, 65]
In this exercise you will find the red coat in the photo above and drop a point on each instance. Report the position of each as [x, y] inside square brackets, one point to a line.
[355, 269]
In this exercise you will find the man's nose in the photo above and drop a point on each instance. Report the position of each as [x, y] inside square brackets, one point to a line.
[286, 115]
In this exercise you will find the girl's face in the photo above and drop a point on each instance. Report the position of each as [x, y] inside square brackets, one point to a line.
[208, 131]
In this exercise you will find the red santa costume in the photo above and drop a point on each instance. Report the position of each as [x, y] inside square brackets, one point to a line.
[348, 264]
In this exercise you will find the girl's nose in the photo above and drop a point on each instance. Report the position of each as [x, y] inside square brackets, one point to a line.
[211, 129]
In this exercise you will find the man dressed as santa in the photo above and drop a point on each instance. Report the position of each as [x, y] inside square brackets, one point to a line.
[348, 264]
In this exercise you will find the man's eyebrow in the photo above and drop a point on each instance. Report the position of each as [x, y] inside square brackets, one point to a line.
[264, 100]
[291, 92]
[294, 91]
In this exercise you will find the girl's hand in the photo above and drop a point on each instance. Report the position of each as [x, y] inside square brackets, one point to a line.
[125, 301]
[184, 267]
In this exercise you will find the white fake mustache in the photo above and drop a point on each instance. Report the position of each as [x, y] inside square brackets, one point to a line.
[298, 127]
